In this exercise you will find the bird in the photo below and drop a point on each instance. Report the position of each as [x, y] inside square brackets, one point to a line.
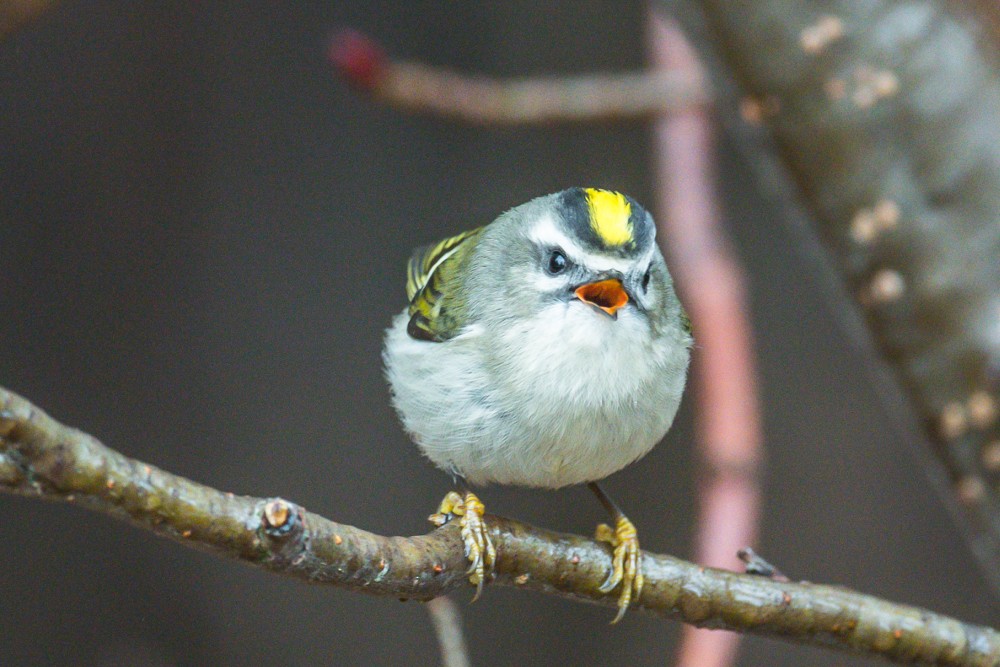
[545, 349]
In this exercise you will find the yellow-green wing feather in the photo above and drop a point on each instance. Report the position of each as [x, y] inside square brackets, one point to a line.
[435, 314]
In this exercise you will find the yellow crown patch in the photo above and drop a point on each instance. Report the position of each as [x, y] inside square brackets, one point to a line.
[609, 216]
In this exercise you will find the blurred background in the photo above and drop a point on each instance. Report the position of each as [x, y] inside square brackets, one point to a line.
[203, 236]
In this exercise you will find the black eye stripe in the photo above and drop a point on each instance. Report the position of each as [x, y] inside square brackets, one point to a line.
[645, 279]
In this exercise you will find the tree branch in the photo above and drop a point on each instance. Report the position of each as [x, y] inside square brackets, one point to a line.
[885, 118]
[448, 626]
[416, 87]
[712, 285]
[40, 457]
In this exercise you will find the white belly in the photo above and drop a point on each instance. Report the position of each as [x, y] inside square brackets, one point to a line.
[589, 396]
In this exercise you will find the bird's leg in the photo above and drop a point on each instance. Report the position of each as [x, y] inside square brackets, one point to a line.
[478, 545]
[625, 563]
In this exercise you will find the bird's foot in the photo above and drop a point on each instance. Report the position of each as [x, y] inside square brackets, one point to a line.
[625, 564]
[478, 545]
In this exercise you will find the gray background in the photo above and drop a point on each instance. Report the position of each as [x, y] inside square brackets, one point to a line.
[202, 238]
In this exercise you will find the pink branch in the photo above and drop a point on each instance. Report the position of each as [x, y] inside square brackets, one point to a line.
[416, 87]
[728, 422]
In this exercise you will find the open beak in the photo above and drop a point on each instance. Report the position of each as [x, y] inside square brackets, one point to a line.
[607, 295]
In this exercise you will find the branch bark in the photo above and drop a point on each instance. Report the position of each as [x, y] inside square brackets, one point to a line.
[42, 458]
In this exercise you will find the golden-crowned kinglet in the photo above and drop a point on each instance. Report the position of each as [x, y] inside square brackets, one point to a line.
[545, 349]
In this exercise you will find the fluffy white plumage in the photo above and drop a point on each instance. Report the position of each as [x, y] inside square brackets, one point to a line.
[580, 396]
[538, 391]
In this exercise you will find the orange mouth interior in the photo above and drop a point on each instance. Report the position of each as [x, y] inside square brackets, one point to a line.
[608, 295]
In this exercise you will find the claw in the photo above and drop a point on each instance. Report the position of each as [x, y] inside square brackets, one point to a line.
[479, 548]
[625, 566]
[447, 510]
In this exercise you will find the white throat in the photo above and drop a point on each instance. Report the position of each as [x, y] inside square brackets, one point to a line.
[572, 352]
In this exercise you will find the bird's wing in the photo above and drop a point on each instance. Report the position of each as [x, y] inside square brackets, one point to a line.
[429, 274]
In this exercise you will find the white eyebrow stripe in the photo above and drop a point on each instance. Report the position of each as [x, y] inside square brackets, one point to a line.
[546, 233]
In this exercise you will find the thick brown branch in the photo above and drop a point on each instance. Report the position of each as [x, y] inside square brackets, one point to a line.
[40, 457]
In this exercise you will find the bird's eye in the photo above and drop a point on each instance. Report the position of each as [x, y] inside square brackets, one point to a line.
[557, 262]
[645, 280]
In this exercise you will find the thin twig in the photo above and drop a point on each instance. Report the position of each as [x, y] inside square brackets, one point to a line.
[417, 87]
[42, 458]
[727, 422]
[447, 622]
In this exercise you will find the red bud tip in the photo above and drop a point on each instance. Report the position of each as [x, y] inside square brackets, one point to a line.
[357, 57]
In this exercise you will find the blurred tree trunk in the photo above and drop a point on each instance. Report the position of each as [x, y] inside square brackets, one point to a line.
[885, 117]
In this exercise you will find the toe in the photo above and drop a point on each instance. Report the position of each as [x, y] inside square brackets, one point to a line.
[614, 578]
[478, 545]
[621, 612]
[625, 563]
